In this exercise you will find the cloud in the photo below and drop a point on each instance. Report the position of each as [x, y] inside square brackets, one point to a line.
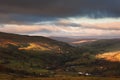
[62, 7]
[61, 17]
[104, 26]
[53, 30]
[71, 26]
[33, 28]
[85, 22]
[23, 19]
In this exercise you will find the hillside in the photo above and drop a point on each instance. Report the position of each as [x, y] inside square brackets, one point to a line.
[40, 56]
[101, 46]
[74, 41]
[63, 39]
[110, 56]
[26, 41]
[100, 57]
[21, 54]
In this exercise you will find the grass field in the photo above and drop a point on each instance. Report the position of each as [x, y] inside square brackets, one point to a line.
[71, 78]
[9, 77]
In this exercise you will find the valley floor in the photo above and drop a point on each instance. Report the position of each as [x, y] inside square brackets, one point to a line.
[9, 77]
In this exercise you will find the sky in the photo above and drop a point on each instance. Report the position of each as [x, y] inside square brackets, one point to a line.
[61, 18]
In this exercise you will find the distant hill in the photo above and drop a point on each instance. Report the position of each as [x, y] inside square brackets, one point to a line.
[108, 49]
[74, 41]
[63, 39]
[104, 45]
[103, 49]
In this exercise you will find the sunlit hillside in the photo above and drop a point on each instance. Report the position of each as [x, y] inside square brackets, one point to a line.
[110, 56]
[33, 46]
[39, 43]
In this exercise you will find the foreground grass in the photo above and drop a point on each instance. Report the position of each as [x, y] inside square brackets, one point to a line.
[71, 78]
[9, 77]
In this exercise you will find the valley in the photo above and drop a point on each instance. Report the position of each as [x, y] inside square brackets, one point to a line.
[37, 56]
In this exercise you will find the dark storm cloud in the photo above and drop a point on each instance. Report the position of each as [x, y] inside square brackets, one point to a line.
[62, 7]
[23, 19]
[67, 24]
[61, 17]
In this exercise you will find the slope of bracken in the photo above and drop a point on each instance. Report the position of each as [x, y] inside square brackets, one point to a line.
[36, 47]
[110, 56]
[39, 43]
